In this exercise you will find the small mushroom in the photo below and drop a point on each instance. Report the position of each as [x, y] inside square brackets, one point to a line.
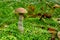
[21, 12]
[58, 34]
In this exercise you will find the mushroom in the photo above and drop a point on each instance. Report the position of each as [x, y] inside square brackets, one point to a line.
[58, 34]
[21, 12]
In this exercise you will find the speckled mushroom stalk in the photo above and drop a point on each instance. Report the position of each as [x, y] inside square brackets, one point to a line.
[20, 23]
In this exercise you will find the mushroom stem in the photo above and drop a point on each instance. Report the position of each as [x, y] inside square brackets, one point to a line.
[20, 24]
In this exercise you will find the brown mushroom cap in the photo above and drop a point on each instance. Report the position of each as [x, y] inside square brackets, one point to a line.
[21, 10]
